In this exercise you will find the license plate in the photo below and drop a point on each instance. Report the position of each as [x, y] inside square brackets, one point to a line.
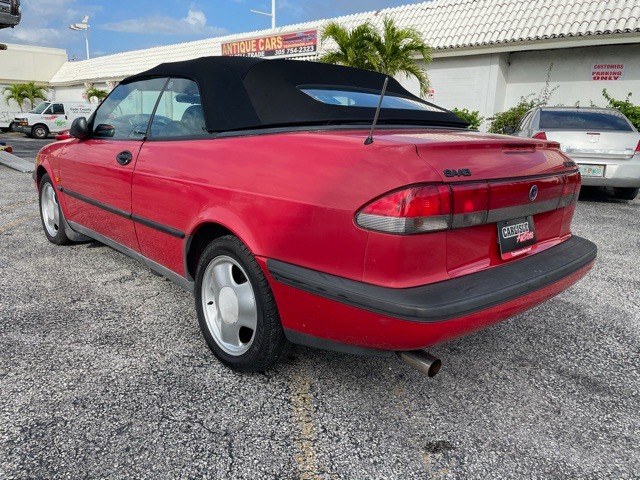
[591, 170]
[516, 237]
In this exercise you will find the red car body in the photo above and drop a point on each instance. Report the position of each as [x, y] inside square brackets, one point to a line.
[305, 202]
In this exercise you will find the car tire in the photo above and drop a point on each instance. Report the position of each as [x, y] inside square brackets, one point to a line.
[40, 131]
[50, 213]
[236, 309]
[12, 127]
[626, 193]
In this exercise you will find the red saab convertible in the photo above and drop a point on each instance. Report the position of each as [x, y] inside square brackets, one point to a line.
[267, 188]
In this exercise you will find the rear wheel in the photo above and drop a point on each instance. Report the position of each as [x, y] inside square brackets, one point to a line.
[626, 193]
[40, 131]
[236, 309]
[51, 213]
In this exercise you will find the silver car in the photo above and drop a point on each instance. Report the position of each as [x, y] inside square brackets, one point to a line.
[602, 141]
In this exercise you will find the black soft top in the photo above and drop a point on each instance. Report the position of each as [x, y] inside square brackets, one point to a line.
[240, 93]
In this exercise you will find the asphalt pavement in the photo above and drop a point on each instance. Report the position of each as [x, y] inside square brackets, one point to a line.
[104, 374]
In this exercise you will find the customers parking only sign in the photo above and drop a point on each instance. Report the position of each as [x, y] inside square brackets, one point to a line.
[281, 45]
[607, 71]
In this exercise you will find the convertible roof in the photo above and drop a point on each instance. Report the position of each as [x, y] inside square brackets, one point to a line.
[240, 93]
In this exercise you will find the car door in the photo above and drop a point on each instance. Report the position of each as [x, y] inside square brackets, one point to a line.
[165, 200]
[96, 172]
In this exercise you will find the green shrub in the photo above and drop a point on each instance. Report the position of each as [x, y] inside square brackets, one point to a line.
[511, 117]
[628, 109]
[472, 118]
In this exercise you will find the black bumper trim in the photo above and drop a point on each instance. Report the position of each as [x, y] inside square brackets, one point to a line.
[451, 298]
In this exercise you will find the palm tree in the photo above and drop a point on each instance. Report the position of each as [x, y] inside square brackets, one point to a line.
[33, 92]
[16, 93]
[397, 50]
[355, 47]
[392, 52]
[96, 92]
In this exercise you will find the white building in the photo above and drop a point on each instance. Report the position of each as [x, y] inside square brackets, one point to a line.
[486, 54]
[23, 64]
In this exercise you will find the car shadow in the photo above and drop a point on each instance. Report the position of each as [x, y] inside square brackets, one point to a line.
[598, 194]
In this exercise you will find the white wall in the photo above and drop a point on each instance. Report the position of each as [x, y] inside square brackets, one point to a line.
[572, 74]
[24, 63]
[77, 93]
[476, 83]
[492, 83]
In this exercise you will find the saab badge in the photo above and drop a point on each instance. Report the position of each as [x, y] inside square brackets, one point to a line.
[457, 172]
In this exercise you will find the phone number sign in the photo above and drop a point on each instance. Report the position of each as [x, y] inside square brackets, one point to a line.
[285, 45]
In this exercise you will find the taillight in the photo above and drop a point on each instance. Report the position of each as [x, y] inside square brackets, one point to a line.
[570, 189]
[540, 136]
[638, 147]
[470, 205]
[426, 208]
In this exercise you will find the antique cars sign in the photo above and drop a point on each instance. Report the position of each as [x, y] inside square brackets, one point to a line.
[288, 44]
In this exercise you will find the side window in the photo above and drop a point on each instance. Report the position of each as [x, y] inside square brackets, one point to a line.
[523, 123]
[57, 109]
[179, 112]
[126, 112]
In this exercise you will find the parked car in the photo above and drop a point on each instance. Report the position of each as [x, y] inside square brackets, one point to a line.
[10, 13]
[602, 141]
[263, 187]
[51, 117]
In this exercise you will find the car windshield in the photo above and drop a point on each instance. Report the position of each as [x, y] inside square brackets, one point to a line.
[358, 98]
[582, 120]
[40, 107]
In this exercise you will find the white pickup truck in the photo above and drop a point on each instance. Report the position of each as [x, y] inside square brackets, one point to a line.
[51, 117]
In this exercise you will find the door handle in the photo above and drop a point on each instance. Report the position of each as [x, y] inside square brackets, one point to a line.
[124, 157]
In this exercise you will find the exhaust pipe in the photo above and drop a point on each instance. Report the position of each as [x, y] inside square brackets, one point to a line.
[422, 361]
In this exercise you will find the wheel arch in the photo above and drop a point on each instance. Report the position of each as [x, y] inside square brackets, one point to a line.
[40, 172]
[198, 240]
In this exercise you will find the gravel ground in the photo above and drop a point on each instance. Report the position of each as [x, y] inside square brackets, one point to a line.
[104, 374]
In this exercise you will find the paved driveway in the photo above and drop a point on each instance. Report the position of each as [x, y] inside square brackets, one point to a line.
[104, 374]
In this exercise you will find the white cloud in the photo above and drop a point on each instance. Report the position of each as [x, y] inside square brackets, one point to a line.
[196, 18]
[33, 36]
[195, 23]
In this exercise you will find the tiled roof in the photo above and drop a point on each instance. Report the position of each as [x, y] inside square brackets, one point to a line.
[444, 24]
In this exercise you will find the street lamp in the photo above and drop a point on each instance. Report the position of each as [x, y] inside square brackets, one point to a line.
[272, 14]
[84, 25]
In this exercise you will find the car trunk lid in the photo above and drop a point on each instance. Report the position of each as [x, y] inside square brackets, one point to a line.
[606, 145]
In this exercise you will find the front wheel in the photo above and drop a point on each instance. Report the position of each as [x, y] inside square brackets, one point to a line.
[51, 213]
[40, 131]
[236, 309]
[626, 193]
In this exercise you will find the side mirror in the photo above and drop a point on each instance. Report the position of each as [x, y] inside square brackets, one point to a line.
[79, 128]
[508, 130]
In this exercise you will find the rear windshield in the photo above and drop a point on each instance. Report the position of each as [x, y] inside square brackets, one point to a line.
[358, 98]
[570, 120]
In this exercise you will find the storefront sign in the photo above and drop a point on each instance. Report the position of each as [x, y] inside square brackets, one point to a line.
[607, 71]
[284, 45]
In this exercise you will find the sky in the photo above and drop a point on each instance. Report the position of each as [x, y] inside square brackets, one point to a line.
[123, 25]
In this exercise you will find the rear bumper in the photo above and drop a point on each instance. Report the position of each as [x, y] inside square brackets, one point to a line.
[620, 173]
[323, 307]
